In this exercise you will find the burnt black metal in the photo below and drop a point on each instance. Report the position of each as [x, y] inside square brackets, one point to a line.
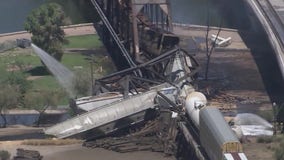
[138, 36]
[126, 81]
[113, 34]
[118, 34]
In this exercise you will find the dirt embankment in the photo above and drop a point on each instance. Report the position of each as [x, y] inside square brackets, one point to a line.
[240, 81]
[76, 151]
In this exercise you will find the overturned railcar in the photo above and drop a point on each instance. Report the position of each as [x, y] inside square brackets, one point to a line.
[215, 135]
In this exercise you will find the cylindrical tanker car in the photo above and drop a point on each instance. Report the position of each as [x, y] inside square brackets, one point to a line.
[216, 137]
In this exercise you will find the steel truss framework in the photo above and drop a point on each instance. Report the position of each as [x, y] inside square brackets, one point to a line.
[138, 36]
[127, 82]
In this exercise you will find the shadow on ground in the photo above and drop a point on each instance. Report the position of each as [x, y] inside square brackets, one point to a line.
[38, 71]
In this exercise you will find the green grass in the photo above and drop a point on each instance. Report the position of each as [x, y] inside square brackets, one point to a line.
[71, 60]
[45, 82]
[78, 61]
[30, 59]
[14, 57]
[85, 41]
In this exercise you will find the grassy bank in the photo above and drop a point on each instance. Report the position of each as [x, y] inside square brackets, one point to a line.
[86, 41]
[80, 52]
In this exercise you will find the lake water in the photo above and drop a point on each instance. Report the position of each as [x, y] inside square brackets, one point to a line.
[14, 12]
[195, 12]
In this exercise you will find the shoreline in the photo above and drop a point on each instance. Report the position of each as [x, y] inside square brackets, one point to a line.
[71, 30]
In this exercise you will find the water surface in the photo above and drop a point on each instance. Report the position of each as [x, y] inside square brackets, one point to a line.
[14, 12]
[196, 12]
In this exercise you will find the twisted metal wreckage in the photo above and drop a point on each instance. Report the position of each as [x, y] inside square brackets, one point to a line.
[155, 78]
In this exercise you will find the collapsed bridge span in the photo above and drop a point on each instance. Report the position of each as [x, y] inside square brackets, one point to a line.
[153, 73]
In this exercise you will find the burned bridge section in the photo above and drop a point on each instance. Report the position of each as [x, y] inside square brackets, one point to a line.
[135, 31]
[151, 65]
[138, 36]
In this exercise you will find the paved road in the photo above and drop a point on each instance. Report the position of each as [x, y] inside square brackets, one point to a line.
[72, 30]
[194, 31]
[87, 28]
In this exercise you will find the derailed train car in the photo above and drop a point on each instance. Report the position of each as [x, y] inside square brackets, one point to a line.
[215, 135]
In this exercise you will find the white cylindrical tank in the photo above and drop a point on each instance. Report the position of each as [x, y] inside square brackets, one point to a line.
[193, 103]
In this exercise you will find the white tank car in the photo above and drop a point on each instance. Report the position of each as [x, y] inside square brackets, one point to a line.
[215, 135]
[194, 102]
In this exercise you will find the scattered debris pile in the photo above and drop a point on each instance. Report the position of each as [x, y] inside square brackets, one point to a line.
[225, 97]
[27, 155]
[155, 136]
[128, 144]
[227, 102]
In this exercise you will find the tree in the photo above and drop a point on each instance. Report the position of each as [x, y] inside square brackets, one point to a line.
[42, 100]
[20, 81]
[8, 99]
[82, 83]
[45, 25]
[209, 52]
